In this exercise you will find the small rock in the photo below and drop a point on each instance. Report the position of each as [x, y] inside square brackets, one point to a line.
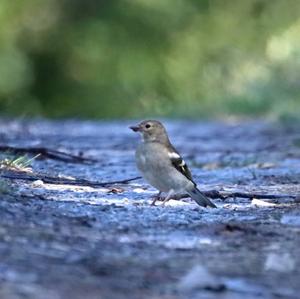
[200, 278]
[291, 219]
[261, 203]
[37, 183]
[139, 190]
[115, 190]
[280, 262]
[240, 285]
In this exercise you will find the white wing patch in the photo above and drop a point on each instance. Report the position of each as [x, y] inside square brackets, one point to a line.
[173, 155]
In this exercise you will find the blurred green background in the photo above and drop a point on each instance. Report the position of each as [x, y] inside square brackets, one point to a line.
[135, 58]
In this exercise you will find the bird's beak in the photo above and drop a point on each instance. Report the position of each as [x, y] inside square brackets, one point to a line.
[135, 128]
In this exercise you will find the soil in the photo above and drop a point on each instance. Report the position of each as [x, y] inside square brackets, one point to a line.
[66, 241]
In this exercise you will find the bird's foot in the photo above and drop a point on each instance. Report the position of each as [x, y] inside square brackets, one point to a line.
[153, 201]
[168, 197]
[165, 201]
[156, 198]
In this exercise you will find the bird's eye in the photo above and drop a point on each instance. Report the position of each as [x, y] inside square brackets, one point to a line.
[147, 126]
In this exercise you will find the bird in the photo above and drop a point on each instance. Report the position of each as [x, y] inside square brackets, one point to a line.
[162, 166]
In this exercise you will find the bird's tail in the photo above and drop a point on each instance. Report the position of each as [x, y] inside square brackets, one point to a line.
[200, 198]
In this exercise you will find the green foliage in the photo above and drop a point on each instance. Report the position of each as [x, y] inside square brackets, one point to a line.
[133, 58]
[22, 163]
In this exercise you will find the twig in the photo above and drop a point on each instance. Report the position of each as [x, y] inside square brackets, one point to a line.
[257, 195]
[224, 195]
[64, 181]
[47, 153]
[82, 182]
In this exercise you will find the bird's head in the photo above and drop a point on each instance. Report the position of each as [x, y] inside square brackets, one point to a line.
[151, 130]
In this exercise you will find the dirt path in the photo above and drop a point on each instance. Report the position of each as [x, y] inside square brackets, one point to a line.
[63, 241]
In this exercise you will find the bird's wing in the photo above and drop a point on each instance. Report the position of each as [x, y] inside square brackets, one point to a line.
[178, 162]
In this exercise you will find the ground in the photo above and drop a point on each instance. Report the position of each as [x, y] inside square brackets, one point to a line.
[68, 241]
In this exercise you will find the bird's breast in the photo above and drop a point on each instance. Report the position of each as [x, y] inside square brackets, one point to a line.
[144, 158]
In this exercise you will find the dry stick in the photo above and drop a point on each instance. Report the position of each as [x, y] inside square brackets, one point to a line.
[47, 153]
[63, 181]
[224, 195]
[82, 182]
[256, 195]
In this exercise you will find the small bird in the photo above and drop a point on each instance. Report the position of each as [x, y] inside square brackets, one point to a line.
[162, 166]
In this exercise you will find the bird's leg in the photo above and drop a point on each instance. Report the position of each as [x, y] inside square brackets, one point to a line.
[156, 197]
[168, 197]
